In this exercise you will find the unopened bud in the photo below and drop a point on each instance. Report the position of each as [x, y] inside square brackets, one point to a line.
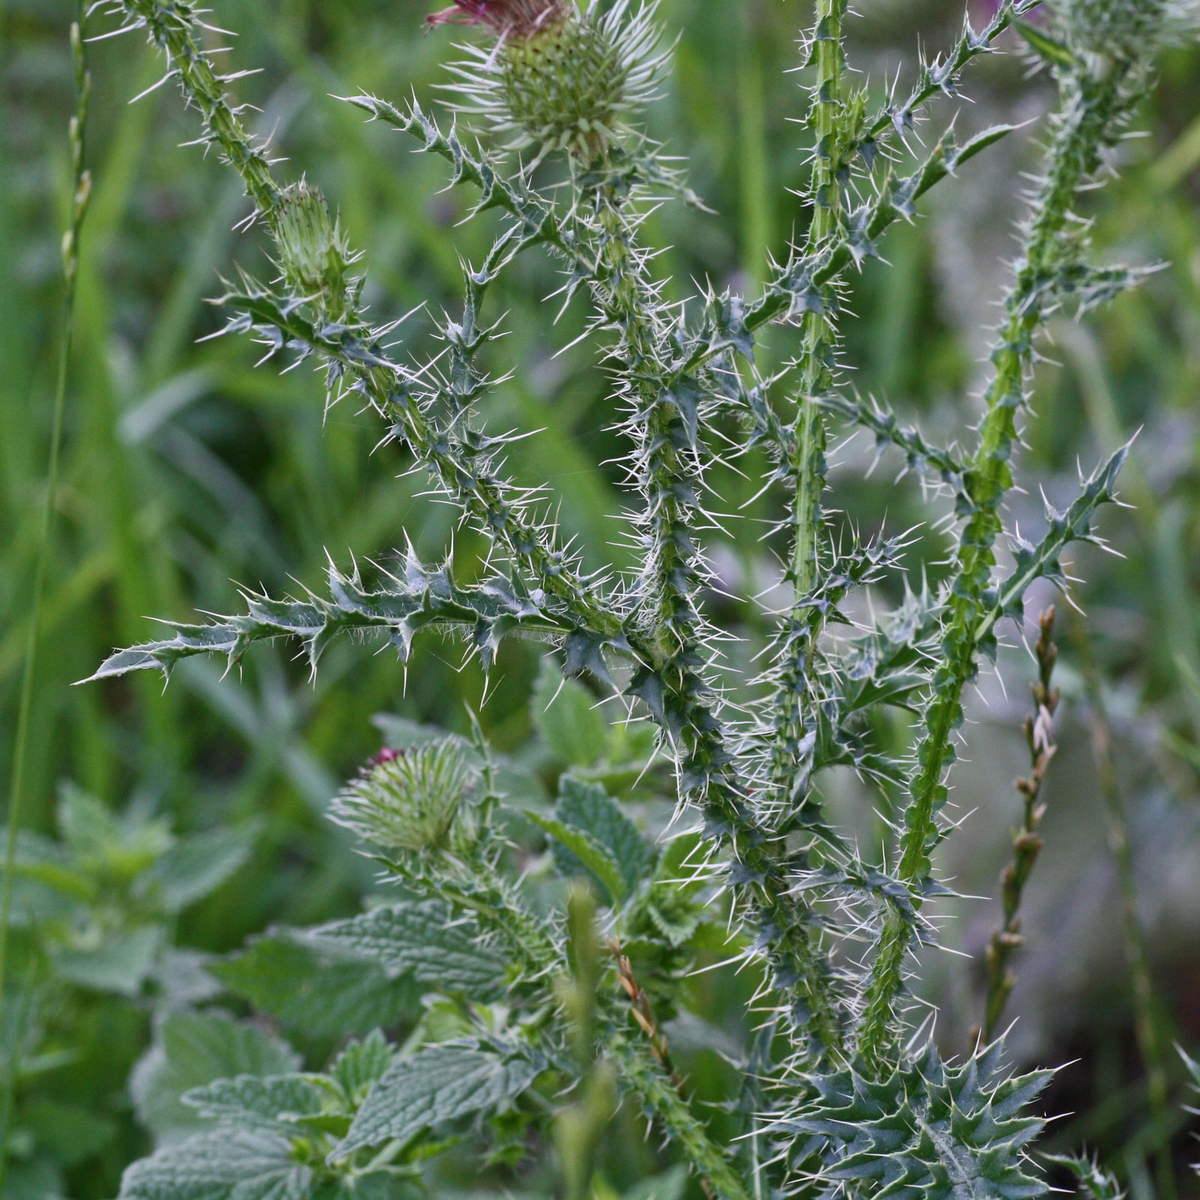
[559, 79]
[406, 802]
[1126, 30]
[314, 255]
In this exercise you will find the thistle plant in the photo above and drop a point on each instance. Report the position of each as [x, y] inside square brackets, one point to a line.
[529, 1026]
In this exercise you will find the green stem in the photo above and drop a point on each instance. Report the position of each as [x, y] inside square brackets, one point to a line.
[662, 1101]
[1089, 112]
[81, 193]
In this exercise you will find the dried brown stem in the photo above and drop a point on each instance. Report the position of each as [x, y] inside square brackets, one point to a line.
[1027, 844]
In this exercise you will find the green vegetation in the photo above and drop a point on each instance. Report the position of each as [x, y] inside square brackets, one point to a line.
[672, 688]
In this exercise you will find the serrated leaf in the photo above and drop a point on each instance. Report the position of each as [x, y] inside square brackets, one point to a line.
[436, 1085]
[317, 987]
[268, 1103]
[565, 715]
[234, 1164]
[587, 857]
[121, 964]
[191, 1050]
[360, 1065]
[421, 938]
[198, 865]
[587, 806]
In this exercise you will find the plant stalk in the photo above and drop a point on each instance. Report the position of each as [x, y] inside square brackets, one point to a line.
[80, 196]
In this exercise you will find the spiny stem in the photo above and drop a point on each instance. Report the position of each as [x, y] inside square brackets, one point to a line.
[662, 1101]
[80, 195]
[676, 630]
[174, 30]
[1090, 108]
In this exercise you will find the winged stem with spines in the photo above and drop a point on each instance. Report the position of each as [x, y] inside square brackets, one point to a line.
[847, 1094]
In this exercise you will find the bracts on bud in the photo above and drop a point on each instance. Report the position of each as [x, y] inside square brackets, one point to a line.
[557, 78]
[314, 253]
[407, 802]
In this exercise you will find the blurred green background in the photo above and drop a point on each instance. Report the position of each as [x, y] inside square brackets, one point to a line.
[188, 472]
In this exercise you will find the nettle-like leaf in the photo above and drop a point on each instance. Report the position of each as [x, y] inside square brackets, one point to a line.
[359, 1065]
[435, 1086]
[317, 985]
[271, 1104]
[566, 716]
[197, 865]
[924, 1132]
[233, 1164]
[674, 903]
[594, 838]
[421, 939]
[191, 1050]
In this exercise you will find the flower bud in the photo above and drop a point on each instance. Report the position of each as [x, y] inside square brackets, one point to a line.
[406, 801]
[559, 79]
[1126, 30]
[314, 254]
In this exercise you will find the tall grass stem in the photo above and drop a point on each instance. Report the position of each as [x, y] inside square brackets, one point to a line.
[80, 194]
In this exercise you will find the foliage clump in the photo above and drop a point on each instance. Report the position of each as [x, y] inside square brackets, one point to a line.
[545, 991]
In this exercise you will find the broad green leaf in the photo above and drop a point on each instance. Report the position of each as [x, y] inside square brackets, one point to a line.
[438, 1084]
[88, 826]
[118, 847]
[360, 1064]
[67, 1133]
[421, 938]
[199, 864]
[588, 807]
[36, 1180]
[564, 713]
[673, 905]
[587, 857]
[255, 1102]
[194, 1049]
[120, 964]
[317, 987]
[232, 1164]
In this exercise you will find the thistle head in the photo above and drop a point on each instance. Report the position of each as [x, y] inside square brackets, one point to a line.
[518, 19]
[314, 253]
[1126, 30]
[557, 78]
[407, 801]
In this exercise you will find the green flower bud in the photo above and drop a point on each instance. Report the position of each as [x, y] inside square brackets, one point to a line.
[1126, 30]
[406, 801]
[558, 78]
[314, 254]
